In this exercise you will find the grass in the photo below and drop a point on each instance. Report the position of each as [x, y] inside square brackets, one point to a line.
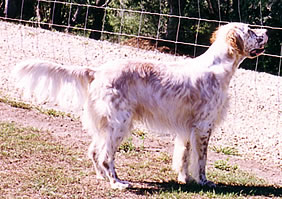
[139, 133]
[127, 146]
[32, 163]
[224, 165]
[53, 112]
[23, 105]
[35, 165]
[225, 150]
[16, 104]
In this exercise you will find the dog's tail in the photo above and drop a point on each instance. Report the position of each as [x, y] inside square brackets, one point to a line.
[46, 81]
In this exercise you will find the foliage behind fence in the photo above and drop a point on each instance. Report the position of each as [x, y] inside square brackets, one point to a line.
[184, 26]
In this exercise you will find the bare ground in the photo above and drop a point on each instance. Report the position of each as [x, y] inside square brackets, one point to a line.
[253, 125]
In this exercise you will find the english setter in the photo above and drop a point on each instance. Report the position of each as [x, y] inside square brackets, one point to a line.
[187, 99]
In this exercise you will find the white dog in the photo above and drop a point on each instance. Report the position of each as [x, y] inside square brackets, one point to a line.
[187, 99]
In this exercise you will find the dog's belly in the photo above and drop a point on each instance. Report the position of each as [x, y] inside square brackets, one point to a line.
[177, 115]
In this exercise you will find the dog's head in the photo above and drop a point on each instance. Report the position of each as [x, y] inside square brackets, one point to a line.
[242, 39]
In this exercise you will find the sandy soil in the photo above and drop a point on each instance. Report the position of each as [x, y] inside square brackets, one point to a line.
[253, 125]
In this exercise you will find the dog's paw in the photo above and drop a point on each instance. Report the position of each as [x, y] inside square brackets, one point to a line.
[208, 183]
[183, 179]
[100, 176]
[120, 185]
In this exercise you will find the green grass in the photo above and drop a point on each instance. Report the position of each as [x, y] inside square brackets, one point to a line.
[224, 165]
[33, 164]
[155, 171]
[231, 184]
[16, 104]
[53, 112]
[23, 105]
[127, 146]
[36, 165]
[225, 150]
[139, 133]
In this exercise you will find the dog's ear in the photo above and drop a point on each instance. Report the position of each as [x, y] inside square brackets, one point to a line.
[213, 37]
[235, 41]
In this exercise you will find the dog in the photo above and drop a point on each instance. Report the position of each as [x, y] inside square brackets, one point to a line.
[187, 99]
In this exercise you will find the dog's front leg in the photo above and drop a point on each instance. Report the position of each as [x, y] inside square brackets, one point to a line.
[199, 143]
[181, 156]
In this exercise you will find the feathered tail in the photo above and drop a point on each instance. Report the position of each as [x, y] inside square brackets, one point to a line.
[46, 81]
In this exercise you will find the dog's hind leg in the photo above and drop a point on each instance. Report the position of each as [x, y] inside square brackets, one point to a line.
[93, 155]
[104, 146]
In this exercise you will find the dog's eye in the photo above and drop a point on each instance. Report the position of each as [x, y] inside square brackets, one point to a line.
[251, 33]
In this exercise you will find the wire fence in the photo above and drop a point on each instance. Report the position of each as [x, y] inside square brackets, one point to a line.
[72, 9]
[119, 21]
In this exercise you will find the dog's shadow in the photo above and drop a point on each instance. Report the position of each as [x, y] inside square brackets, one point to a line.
[221, 189]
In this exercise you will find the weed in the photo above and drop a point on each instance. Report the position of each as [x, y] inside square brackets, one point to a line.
[15, 104]
[164, 157]
[231, 174]
[23, 105]
[52, 112]
[139, 133]
[127, 146]
[224, 165]
[235, 177]
[226, 150]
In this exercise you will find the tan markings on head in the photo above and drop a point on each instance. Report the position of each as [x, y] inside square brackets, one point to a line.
[213, 37]
[235, 42]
